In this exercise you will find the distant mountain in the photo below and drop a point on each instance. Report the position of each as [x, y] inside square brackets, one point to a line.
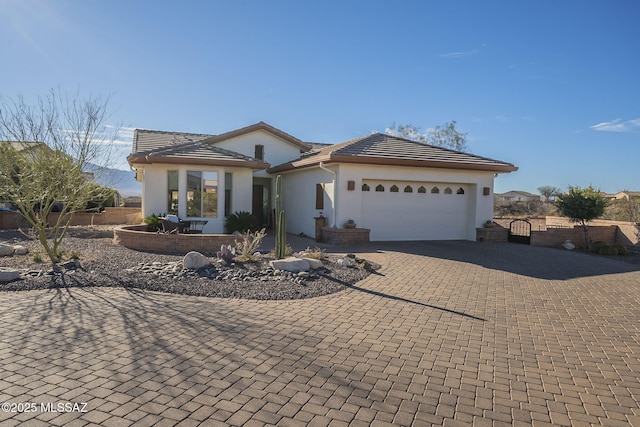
[121, 180]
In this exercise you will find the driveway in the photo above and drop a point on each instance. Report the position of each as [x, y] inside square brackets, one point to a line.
[447, 333]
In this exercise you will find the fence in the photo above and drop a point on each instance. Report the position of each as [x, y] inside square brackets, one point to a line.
[11, 220]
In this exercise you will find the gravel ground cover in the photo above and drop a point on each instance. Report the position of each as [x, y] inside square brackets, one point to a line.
[102, 263]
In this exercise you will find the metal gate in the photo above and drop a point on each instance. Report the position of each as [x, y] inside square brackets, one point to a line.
[520, 231]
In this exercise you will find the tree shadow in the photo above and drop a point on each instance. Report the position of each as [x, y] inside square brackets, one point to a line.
[401, 299]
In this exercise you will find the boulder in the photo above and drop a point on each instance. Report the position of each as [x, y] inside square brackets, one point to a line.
[20, 250]
[568, 245]
[194, 260]
[8, 274]
[313, 263]
[6, 250]
[291, 264]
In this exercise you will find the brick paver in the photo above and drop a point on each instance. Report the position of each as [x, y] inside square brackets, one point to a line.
[447, 333]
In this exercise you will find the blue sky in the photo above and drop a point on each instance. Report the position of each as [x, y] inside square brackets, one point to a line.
[551, 86]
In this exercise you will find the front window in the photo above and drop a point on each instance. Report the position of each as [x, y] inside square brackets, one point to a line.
[172, 193]
[202, 194]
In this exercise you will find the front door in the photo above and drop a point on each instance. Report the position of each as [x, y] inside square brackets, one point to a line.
[257, 206]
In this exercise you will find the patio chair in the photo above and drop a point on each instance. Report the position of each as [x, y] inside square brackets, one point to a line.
[169, 226]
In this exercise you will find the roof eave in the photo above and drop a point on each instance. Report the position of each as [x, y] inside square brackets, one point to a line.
[336, 158]
[147, 160]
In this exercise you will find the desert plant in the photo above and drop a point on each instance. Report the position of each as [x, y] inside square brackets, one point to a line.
[37, 258]
[74, 255]
[153, 223]
[249, 245]
[315, 253]
[622, 249]
[242, 221]
[608, 250]
[281, 222]
[596, 246]
[226, 253]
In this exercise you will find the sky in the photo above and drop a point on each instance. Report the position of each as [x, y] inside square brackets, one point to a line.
[550, 86]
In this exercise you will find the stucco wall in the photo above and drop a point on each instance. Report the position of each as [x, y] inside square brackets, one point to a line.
[276, 150]
[299, 200]
[299, 188]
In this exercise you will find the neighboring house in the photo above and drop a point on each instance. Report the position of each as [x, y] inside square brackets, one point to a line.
[517, 196]
[399, 189]
[623, 195]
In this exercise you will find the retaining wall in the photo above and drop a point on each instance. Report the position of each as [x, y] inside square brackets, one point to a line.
[345, 236]
[134, 237]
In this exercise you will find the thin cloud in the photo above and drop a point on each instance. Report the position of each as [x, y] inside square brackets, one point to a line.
[460, 54]
[617, 125]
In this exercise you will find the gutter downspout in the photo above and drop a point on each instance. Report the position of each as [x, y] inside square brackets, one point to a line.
[335, 179]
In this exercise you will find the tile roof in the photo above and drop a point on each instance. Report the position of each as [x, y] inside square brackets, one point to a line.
[261, 126]
[146, 139]
[384, 149]
[196, 153]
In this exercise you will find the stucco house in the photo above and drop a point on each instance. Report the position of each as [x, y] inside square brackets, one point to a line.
[517, 196]
[399, 189]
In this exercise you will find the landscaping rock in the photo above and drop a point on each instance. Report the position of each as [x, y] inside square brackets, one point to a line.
[195, 260]
[20, 250]
[6, 250]
[568, 245]
[8, 274]
[314, 264]
[291, 264]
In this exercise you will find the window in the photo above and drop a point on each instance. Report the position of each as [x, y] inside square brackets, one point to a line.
[408, 189]
[172, 192]
[394, 188]
[380, 188]
[460, 191]
[202, 194]
[319, 196]
[435, 190]
[259, 152]
[448, 190]
[228, 186]
[422, 189]
[365, 187]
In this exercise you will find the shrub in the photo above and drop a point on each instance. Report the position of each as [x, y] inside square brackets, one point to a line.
[241, 221]
[315, 253]
[153, 222]
[596, 246]
[608, 250]
[249, 245]
[622, 250]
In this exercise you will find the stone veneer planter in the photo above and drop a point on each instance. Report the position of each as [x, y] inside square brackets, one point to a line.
[134, 237]
[344, 236]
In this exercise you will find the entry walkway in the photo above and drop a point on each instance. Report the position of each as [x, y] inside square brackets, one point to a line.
[447, 333]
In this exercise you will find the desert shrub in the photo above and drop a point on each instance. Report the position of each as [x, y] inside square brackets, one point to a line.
[622, 250]
[153, 222]
[596, 246]
[608, 250]
[315, 253]
[241, 221]
[249, 245]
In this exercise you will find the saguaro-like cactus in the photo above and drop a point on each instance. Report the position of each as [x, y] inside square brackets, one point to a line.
[281, 222]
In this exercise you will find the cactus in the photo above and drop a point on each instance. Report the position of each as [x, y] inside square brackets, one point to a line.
[281, 222]
[227, 253]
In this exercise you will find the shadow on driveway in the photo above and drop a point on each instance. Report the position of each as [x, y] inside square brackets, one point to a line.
[532, 261]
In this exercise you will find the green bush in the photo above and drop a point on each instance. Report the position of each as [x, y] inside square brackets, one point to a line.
[242, 221]
[622, 250]
[153, 223]
[596, 246]
[608, 250]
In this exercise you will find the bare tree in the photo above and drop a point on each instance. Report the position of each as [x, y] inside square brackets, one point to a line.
[77, 126]
[549, 192]
[72, 135]
[446, 135]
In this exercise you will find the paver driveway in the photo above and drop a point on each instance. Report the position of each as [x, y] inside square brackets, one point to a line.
[453, 333]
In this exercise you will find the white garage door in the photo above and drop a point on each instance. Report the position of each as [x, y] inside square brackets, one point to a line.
[415, 211]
